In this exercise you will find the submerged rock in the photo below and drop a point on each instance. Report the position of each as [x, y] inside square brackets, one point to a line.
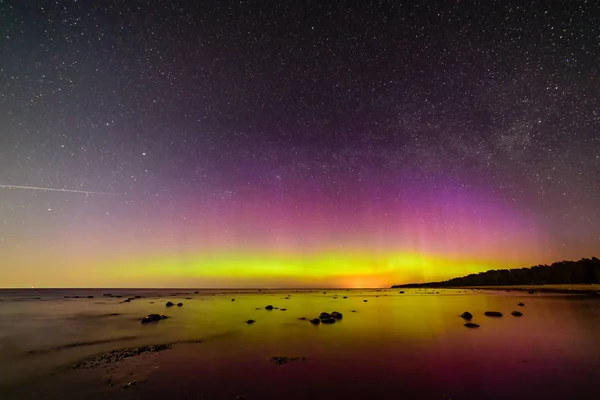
[493, 314]
[302, 318]
[466, 315]
[169, 304]
[315, 321]
[471, 325]
[283, 309]
[250, 321]
[285, 360]
[327, 320]
[179, 304]
[531, 292]
[153, 318]
[521, 304]
[365, 300]
[402, 292]
[269, 307]
[517, 313]
[345, 297]
[232, 299]
[324, 315]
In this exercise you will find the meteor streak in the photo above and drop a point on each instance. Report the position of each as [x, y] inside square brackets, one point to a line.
[86, 192]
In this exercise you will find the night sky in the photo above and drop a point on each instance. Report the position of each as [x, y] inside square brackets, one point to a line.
[295, 143]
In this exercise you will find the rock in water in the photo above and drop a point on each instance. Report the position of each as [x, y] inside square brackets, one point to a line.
[466, 315]
[250, 321]
[324, 315]
[169, 304]
[493, 314]
[521, 304]
[517, 313]
[153, 318]
[328, 320]
[365, 301]
[531, 292]
[179, 304]
[269, 307]
[471, 325]
[402, 292]
[232, 299]
[336, 315]
[315, 321]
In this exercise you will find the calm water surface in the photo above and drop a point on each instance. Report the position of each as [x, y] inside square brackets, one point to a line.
[552, 351]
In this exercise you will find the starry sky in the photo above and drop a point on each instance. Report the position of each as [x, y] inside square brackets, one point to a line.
[295, 144]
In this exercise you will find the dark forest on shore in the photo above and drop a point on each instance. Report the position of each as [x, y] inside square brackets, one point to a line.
[584, 271]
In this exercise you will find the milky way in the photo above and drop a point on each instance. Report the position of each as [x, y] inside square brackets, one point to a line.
[295, 143]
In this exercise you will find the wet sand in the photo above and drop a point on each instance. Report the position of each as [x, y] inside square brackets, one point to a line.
[411, 345]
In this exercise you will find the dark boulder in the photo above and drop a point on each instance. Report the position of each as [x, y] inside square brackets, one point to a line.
[250, 321]
[493, 314]
[170, 304]
[315, 321]
[269, 307]
[302, 318]
[365, 300]
[336, 315]
[283, 309]
[471, 325]
[232, 299]
[517, 313]
[521, 304]
[328, 320]
[324, 315]
[402, 292]
[179, 304]
[345, 297]
[466, 315]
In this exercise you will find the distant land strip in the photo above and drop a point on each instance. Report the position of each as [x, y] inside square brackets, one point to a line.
[580, 277]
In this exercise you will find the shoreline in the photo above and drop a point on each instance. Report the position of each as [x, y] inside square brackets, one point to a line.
[576, 289]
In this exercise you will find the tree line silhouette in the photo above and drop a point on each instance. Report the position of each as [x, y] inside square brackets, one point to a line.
[584, 271]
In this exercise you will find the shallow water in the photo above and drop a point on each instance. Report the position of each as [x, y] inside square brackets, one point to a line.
[553, 349]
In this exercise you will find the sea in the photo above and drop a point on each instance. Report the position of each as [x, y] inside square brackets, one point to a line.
[386, 335]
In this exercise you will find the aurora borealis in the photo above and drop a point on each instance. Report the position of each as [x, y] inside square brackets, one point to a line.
[294, 145]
